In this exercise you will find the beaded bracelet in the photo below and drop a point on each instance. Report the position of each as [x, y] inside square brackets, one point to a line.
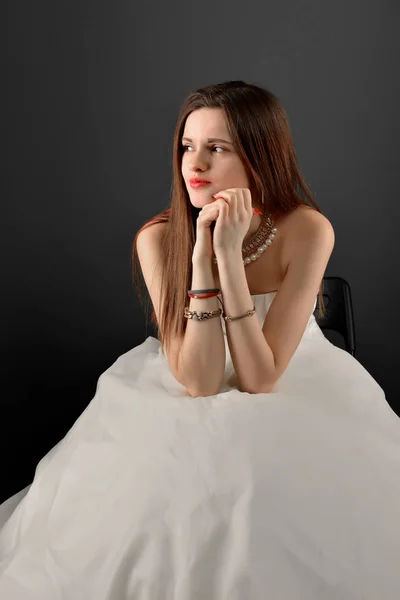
[198, 315]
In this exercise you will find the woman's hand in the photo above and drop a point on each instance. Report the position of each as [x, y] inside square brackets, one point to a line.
[233, 221]
[230, 214]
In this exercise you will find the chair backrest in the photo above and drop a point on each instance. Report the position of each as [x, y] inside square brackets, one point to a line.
[339, 310]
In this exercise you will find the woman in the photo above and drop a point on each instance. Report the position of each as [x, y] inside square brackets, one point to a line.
[240, 455]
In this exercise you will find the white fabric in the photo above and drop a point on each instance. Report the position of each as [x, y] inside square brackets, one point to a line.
[154, 495]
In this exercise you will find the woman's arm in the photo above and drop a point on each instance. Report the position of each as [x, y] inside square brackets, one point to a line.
[252, 358]
[201, 362]
[261, 353]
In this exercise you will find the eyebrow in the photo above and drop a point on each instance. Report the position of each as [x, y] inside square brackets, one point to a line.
[210, 140]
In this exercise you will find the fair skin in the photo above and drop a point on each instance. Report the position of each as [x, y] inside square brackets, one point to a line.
[293, 265]
[217, 162]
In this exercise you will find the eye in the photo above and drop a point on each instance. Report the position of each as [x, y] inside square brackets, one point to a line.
[213, 148]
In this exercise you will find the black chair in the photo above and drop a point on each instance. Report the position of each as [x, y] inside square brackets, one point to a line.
[339, 315]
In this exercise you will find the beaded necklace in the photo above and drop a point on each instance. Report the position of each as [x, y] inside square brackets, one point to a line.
[259, 242]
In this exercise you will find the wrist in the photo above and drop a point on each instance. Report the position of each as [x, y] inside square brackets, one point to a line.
[229, 256]
[204, 268]
[202, 261]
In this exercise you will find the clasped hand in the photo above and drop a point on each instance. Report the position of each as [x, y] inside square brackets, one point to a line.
[232, 211]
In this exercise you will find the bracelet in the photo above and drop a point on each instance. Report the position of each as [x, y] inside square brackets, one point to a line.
[203, 293]
[249, 313]
[202, 296]
[198, 315]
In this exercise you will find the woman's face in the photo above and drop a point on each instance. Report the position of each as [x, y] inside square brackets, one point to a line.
[214, 161]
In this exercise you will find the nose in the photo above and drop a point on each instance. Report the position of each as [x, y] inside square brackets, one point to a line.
[197, 162]
[196, 171]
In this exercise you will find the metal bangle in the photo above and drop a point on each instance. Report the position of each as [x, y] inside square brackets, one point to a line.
[198, 315]
[249, 313]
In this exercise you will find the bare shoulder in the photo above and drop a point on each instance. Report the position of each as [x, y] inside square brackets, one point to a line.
[301, 224]
[153, 231]
[149, 240]
[149, 248]
[303, 214]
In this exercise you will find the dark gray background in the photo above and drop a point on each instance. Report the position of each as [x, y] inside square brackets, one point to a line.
[94, 90]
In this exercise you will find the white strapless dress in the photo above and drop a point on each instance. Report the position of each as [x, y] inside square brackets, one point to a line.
[154, 495]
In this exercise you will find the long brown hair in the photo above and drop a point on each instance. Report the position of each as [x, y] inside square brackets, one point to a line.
[261, 136]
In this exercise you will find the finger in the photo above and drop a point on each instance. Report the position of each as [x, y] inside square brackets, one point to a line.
[210, 211]
[242, 204]
[223, 208]
[224, 194]
[229, 190]
[248, 202]
[235, 201]
[230, 200]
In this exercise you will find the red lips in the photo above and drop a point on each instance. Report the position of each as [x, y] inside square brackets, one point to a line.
[199, 183]
[198, 180]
